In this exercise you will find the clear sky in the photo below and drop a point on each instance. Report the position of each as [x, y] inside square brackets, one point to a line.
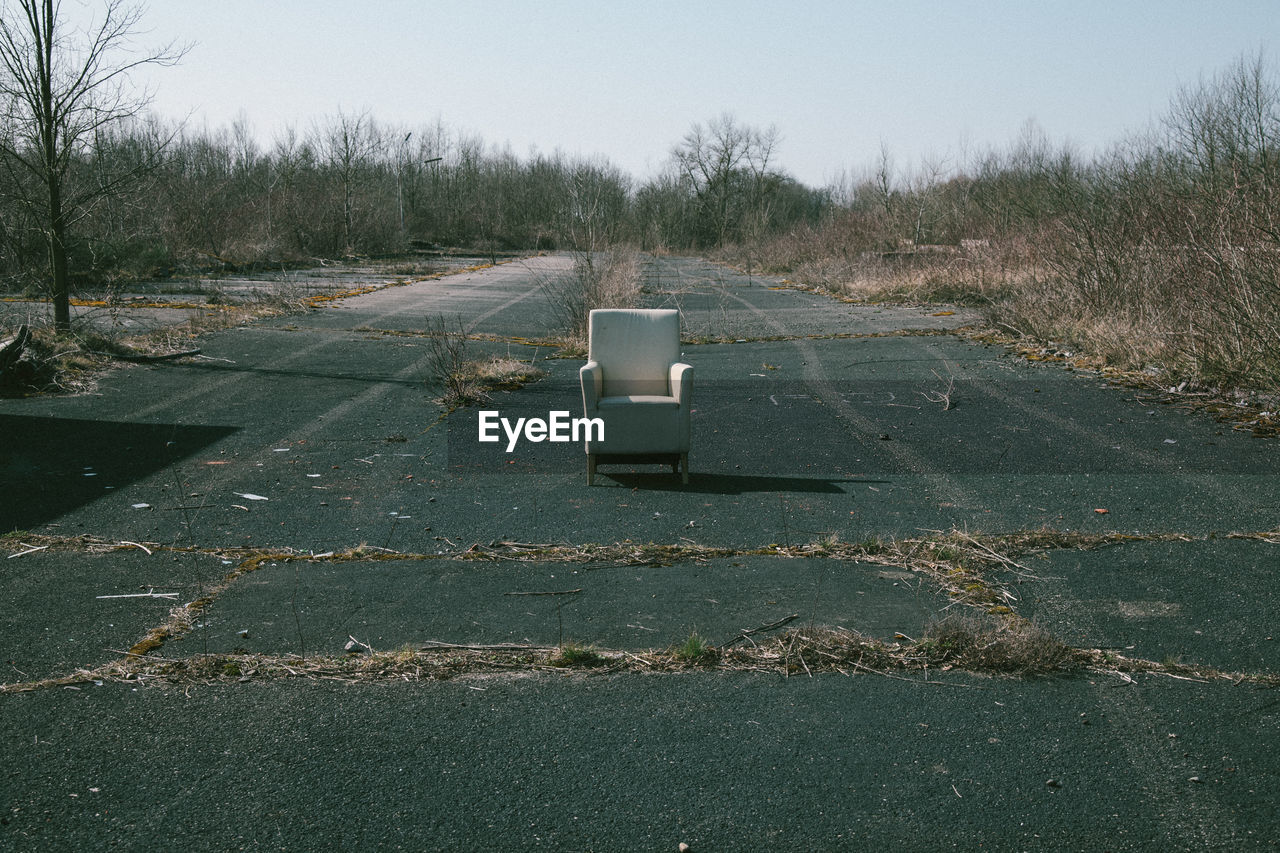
[627, 79]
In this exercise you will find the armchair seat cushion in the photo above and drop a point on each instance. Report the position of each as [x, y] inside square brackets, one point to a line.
[647, 400]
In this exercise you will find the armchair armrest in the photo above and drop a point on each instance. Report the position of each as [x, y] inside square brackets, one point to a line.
[592, 378]
[680, 378]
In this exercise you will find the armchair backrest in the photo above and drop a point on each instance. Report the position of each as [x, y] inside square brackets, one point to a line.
[635, 348]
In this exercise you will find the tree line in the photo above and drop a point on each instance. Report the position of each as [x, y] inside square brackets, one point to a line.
[350, 185]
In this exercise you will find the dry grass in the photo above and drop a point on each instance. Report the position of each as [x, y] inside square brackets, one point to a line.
[503, 373]
[1038, 311]
[1011, 645]
[1165, 310]
[1206, 343]
[414, 268]
[974, 274]
[56, 361]
[68, 361]
[938, 276]
[1009, 648]
[983, 638]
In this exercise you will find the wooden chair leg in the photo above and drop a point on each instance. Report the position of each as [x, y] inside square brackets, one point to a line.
[591, 469]
[684, 468]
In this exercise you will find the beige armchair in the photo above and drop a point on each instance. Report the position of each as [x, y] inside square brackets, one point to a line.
[635, 383]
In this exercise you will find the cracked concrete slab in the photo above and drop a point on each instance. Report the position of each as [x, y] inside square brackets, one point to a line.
[298, 606]
[1210, 602]
[56, 616]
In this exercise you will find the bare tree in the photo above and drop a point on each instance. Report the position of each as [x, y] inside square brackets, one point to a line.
[347, 144]
[727, 167]
[883, 180]
[58, 89]
[596, 198]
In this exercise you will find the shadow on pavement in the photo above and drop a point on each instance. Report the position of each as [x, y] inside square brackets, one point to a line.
[728, 484]
[351, 375]
[50, 466]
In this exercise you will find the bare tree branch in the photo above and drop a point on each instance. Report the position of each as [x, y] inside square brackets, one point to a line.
[59, 90]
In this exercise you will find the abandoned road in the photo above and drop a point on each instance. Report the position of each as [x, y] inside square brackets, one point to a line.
[297, 489]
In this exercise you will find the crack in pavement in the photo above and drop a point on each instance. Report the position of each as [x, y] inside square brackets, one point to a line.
[957, 563]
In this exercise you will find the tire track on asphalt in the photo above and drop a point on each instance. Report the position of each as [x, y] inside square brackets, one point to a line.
[1060, 425]
[860, 426]
[212, 385]
[1187, 821]
[1190, 816]
[217, 479]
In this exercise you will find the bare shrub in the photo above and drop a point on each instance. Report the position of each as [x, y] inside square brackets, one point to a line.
[465, 382]
[598, 280]
[447, 364]
[1172, 238]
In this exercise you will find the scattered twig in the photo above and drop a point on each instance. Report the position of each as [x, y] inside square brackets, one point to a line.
[498, 647]
[149, 657]
[149, 594]
[925, 680]
[146, 358]
[746, 635]
[1179, 677]
[942, 397]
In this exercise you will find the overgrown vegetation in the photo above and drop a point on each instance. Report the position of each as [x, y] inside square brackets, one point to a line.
[1010, 645]
[466, 382]
[980, 635]
[1161, 254]
[597, 280]
[54, 360]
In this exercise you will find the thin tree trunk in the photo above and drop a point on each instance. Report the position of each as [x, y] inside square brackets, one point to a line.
[58, 260]
[61, 292]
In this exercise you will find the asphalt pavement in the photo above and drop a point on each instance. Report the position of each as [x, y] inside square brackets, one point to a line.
[302, 484]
